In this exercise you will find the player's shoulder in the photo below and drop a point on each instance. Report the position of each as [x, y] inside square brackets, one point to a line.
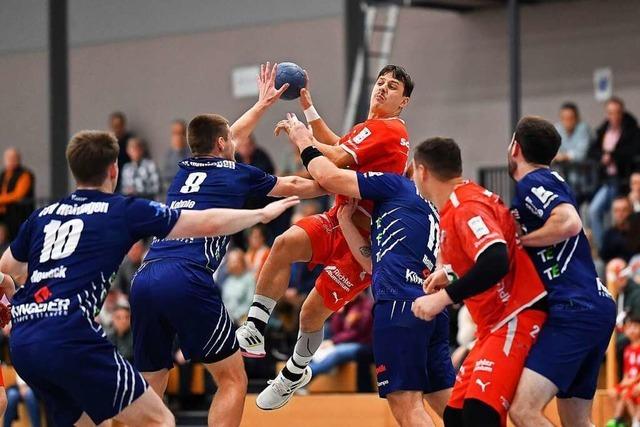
[391, 125]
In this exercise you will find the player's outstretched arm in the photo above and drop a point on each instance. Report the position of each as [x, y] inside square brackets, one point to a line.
[10, 268]
[267, 96]
[219, 222]
[321, 130]
[296, 186]
[358, 245]
[563, 223]
[322, 169]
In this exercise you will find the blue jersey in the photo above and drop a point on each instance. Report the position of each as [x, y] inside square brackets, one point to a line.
[203, 183]
[73, 248]
[404, 235]
[566, 268]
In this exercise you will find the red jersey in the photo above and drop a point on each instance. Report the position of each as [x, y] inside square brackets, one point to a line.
[376, 145]
[472, 220]
[631, 361]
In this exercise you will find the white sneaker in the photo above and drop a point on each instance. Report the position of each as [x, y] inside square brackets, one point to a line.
[251, 340]
[280, 390]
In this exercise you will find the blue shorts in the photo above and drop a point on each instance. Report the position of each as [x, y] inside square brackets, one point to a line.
[83, 373]
[171, 297]
[571, 348]
[410, 354]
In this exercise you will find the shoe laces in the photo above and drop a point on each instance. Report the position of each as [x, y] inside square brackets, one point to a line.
[280, 385]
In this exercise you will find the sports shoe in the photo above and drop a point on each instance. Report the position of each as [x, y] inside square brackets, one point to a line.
[280, 390]
[615, 423]
[251, 341]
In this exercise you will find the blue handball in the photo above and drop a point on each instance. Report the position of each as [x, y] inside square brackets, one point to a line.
[288, 72]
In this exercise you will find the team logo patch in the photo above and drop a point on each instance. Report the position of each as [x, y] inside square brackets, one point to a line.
[361, 136]
[380, 369]
[42, 295]
[478, 227]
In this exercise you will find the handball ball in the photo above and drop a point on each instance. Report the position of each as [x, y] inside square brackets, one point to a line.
[288, 72]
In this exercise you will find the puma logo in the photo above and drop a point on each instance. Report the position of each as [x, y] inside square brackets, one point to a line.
[335, 295]
[482, 385]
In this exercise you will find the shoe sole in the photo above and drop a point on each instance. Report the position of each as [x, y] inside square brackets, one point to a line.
[304, 382]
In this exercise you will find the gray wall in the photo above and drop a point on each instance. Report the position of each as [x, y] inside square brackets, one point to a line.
[459, 63]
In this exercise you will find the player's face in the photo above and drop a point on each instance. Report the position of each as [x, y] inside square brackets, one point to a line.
[511, 152]
[418, 177]
[387, 98]
[614, 113]
[568, 119]
[632, 331]
[634, 183]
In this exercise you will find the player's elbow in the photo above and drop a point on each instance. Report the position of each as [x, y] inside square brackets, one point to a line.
[572, 226]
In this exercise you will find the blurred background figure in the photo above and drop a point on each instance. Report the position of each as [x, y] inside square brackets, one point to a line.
[257, 250]
[21, 392]
[250, 153]
[4, 237]
[616, 241]
[178, 150]
[140, 175]
[575, 135]
[120, 334]
[16, 192]
[615, 148]
[634, 190]
[238, 286]
[128, 268]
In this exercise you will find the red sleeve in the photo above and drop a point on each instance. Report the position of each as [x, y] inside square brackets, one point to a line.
[477, 228]
[377, 139]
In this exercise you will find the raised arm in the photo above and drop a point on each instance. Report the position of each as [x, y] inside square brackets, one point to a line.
[219, 222]
[563, 223]
[358, 245]
[320, 129]
[268, 95]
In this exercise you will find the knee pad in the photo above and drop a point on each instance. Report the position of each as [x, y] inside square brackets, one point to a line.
[479, 414]
[452, 417]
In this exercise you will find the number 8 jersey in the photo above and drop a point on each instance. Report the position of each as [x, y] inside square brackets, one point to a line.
[72, 248]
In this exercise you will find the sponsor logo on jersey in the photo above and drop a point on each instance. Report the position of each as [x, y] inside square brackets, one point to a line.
[86, 209]
[482, 385]
[484, 365]
[532, 208]
[55, 273]
[427, 262]
[42, 294]
[413, 277]
[35, 310]
[380, 369]
[404, 143]
[361, 136]
[182, 204]
[229, 164]
[372, 174]
[383, 383]
[338, 277]
[545, 196]
[478, 227]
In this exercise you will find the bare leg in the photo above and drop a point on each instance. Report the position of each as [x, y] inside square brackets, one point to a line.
[438, 400]
[313, 313]
[228, 402]
[157, 380]
[575, 412]
[533, 394]
[292, 246]
[148, 411]
[85, 421]
[408, 409]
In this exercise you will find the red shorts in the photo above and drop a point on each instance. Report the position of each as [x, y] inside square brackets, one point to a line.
[626, 392]
[491, 371]
[342, 278]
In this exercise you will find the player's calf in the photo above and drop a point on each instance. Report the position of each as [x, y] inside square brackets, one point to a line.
[147, 410]
[228, 402]
[408, 409]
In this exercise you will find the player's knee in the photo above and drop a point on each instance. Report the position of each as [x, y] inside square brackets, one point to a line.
[406, 410]
[162, 418]
[310, 320]
[233, 380]
[479, 414]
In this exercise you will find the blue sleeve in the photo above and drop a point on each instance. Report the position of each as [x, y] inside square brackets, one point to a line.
[541, 196]
[146, 218]
[21, 244]
[380, 186]
[260, 182]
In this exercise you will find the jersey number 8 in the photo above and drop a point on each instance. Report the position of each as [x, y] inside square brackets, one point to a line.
[193, 181]
[60, 239]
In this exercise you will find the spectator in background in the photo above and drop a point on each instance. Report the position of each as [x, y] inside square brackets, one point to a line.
[16, 192]
[140, 175]
[615, 147]
[575, 135]
[121, 336]
[128, 268]
[21, 392]
[118, 125]
[623, 393]
[615, 243]
[257, 250]
[238, 287]
[4, 238]
[634, 190]
[249, 153]
[350, 329]
[178, 150]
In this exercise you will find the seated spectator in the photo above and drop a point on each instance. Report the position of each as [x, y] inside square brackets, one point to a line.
[128, 268]
[178, 150]
[257, 250]
[615, 243]
[118, 125]
[575, 135]
[16, 192]
[238, 286]
[21, 392]
[121, 336]
[140, 175]
[4, 238]
[350, 329]
[634, 190]
[616, 145]
[249, 153]
[626, 393]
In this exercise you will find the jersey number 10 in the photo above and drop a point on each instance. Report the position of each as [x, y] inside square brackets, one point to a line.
[60, 239]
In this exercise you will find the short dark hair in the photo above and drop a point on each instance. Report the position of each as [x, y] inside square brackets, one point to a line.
[441, 156]
[401, 74]
[616, 100]
[180, 122]
[538, 139]
[204, 130]
[632, 318]
[118, 115]
[571, 106]
[89, 154]
[622, 197]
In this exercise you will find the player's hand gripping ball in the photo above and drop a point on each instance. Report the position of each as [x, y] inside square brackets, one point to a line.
[5, 315]
[288, 72]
